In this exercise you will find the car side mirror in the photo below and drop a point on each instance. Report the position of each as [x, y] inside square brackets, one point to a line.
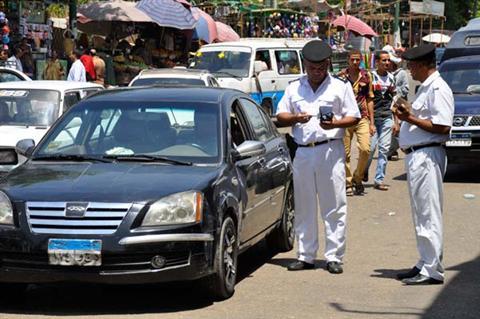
[25, 147]
[249, 149]
[259, 66]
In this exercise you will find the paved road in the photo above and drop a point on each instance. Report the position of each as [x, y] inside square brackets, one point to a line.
[380, 242]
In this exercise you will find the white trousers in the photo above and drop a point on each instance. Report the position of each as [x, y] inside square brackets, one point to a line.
[319, 176]
[425, 171]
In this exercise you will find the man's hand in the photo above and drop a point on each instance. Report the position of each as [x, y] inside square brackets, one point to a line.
[328, 125]
[402, 113]
[302, 117]
[372, 129]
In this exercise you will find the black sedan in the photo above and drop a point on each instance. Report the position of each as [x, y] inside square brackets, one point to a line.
[144, 185]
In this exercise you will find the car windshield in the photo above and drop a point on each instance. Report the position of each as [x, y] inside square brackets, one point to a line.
[176, 131]
[223, 63]
[28, 107]
[462, 78]
[168, 81]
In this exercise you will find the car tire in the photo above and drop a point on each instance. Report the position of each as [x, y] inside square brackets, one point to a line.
[267, 107]
[282, 238]
[222, 283]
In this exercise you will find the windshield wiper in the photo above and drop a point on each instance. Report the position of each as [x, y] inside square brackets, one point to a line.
[147, 157]
[236, 77]
[71, 157]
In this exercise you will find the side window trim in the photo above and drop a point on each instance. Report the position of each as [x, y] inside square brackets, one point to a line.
[237, 108]
[251, 129]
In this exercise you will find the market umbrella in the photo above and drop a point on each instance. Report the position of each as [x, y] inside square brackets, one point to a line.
[226, 33]
[104, 18]
[436, 38]
[169, 13]
[206, 29]
[357, 26]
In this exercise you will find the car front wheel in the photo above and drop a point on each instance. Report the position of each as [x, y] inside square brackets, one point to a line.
[222, 283]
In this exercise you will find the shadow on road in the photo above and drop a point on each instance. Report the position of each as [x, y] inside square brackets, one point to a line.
[90, 299]
[461, 297]
[456, 173]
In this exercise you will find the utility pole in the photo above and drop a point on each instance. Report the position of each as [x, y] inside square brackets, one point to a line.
[396, 27]
[72, 16]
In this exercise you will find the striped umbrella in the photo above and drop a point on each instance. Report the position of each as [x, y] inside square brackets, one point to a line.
[168, 13]
[226, 33]
[355, 25]
[206, 28]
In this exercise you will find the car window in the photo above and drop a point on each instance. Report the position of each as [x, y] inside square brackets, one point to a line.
[288, 61]
[70, 99]
[214, 82]
[461, 77]
[238, 130]
[264, 56]
[254, 115]
[6, 76]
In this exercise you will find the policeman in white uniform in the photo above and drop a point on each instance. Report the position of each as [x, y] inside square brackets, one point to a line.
[424, 130]
[319, 164]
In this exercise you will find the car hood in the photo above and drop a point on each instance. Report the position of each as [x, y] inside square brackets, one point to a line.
[467, 104]
[104, 182]
[10, 135]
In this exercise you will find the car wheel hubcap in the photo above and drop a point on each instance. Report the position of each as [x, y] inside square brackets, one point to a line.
[229, 256]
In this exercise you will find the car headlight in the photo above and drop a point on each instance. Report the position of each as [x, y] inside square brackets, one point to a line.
[180, 208]
[6, 210]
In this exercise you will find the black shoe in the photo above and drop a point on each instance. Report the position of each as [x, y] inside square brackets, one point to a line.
[409, 274]
[334, 267]
[358, 188]
[422, 280]
[300, 265]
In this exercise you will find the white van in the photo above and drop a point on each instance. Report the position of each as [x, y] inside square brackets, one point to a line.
[261, 67]
[29, 108]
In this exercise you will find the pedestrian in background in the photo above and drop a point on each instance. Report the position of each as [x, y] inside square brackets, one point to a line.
[425, 128]
[77, 70]
[15, 61]
[402, 88]
[53, 69]
[361, 82]
[383, 92]
[319, 165]
[99, 66]
[87, 61]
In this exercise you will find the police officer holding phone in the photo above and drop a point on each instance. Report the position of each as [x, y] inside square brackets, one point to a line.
[319, 106]
[425, 127]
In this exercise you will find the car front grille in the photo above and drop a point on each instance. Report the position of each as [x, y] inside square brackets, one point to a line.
[474, 121]
[98, 218]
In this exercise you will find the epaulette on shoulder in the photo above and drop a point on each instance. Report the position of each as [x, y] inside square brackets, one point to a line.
[340, 78]
[289, 82]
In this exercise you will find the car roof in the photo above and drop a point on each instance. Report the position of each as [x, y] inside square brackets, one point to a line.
[12, 70]
[48, 85]
[158, 93]
[255, 43]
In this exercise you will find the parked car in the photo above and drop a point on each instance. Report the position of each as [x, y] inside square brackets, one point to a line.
[463, 76]
[174, 77]
[465, 41]
[29, 108]
[12, 75]
[157, 184]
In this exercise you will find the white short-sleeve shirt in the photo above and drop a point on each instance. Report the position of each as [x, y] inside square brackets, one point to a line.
[333, 92]
[77, 72]
[433, 101]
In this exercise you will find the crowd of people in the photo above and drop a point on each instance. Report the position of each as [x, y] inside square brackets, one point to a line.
[323, 109]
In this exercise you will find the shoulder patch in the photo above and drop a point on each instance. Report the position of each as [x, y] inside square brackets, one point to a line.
[340, 78]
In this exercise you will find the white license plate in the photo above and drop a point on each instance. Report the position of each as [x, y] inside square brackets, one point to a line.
[460, 140]
[75, 252]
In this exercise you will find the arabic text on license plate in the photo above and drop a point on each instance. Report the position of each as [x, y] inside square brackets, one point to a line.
[75, 252]
[460, 140]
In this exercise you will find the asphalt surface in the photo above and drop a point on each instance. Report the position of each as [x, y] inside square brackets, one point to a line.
[380, 242]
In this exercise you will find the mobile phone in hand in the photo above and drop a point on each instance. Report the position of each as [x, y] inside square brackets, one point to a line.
[325, 113]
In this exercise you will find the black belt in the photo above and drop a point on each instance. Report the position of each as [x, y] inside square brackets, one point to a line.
[313, 144]
[410, 149]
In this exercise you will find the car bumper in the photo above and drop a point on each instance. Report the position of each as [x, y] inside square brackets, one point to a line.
[125, 260]
[465, 154]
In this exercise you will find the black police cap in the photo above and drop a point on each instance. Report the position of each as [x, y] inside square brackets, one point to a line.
[316, 51]
[422, 52]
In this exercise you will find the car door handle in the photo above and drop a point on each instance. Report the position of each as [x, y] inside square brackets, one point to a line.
[273, 81]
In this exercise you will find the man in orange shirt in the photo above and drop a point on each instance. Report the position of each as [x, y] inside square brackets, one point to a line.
[361, 82]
